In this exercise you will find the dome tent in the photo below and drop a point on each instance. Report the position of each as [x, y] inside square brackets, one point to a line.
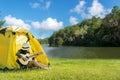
[11, 40]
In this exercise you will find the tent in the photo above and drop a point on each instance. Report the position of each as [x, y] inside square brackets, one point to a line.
[11, 40]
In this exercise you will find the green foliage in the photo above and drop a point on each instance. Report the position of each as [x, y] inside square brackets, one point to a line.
[115, 9]
[109, 32]
[91, 32]
[1, 23]
[43, 41]
[59, 41]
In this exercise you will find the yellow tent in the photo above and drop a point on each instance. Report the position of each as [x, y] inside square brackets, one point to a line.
[11, 40]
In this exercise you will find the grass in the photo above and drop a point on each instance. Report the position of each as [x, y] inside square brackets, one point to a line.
[69, 69]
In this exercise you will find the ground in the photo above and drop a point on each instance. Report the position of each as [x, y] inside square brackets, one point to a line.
[69, 69]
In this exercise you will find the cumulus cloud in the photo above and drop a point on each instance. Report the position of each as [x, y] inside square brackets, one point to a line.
[97, 9]
[48, 24]
[36, 24]
[13, 21]
[41, 4]
[79, 7]
[73, 20]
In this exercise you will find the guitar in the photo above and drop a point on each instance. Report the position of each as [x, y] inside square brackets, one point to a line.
[29, 58]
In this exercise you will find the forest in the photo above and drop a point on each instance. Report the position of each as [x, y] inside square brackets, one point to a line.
[91, 32]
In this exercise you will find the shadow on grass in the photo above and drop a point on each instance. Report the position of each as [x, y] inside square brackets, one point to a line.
[17, 70]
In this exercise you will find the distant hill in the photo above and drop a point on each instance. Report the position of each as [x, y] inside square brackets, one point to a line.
[91, 32]
[43, 41]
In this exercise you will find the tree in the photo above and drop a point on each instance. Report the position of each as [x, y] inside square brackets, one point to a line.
[1, 23]
[91, 32]
[115, 9]
[59, 41]
[109, 32]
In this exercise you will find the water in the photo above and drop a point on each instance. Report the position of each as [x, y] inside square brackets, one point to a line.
[83, 52]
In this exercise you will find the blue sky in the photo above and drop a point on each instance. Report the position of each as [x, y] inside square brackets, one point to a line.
[43, 17]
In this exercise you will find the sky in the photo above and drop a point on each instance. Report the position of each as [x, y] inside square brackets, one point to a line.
[43, 17]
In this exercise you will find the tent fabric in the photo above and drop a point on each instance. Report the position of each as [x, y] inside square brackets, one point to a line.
[11, 40]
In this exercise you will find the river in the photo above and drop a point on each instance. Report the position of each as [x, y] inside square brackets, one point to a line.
[83, 52]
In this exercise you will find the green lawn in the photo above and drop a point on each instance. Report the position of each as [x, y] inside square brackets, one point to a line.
[69, 69]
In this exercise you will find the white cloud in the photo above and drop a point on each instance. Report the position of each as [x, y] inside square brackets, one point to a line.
[73, 20]
[36, 24]
[12, 21]
[48, 24]
[41, 4]
[35, 5]
[79, 7]
[47, 4]
[97, 9]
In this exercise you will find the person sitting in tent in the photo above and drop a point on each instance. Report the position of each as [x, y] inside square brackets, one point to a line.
[26, 60]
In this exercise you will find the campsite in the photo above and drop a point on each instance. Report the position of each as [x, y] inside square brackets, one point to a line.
[11, 41]
[59, 40]
[64, 64]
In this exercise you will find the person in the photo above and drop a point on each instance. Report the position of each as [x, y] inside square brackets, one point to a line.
[23, 59]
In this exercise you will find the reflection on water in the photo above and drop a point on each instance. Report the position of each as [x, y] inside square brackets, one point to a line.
[83, 52]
